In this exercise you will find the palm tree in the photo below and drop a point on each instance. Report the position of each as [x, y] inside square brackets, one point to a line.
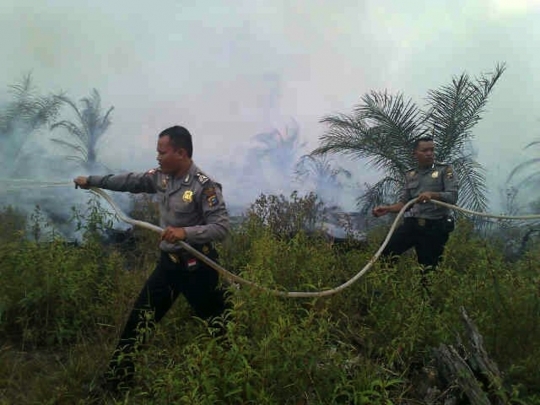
[279, 149]
[28, 111]
[327, 177]
[272, 159]
[383, 127]
[532, 179]
[89, 127]
[530, 170]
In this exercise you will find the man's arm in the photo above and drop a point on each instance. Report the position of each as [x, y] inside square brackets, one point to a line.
[404, 197]
[130, 182]
[216, 217]
[385, 209]
[450, 181]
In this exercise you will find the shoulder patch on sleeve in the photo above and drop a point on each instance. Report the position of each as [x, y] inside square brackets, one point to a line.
[209, 191]
[211, 196]
[203, 179]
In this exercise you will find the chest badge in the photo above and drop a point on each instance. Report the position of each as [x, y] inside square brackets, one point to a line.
[434, 175]
[188, 196]
[164, 182]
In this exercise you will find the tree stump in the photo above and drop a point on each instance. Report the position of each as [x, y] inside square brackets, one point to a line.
[467, 369]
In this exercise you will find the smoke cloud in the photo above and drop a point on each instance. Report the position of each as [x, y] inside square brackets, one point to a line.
[230, 75]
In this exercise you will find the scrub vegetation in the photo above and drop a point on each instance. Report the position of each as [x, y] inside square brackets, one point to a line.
[62, 306]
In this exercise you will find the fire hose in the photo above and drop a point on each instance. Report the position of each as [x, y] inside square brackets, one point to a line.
[297, 294]
[233, 278]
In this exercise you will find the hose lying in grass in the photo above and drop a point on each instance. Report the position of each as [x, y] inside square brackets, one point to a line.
[296, 294]
[18, 184]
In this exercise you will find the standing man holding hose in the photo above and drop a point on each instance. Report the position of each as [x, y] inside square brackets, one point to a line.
[426, 226]
[192, 209]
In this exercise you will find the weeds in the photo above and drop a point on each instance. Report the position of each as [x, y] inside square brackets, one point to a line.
[62, 306]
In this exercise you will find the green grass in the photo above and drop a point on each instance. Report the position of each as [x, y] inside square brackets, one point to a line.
[62, 308]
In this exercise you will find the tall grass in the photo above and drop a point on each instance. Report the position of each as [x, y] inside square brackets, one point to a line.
[62, 307]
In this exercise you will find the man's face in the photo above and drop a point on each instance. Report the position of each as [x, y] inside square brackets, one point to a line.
[170, 159]
[425, 153]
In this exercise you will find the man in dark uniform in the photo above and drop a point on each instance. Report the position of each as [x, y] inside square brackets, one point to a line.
[426, 226]
[192, 209]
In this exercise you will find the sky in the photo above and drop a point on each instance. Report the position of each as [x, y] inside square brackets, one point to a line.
[230, 70]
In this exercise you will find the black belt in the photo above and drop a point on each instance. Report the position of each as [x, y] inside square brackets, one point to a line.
[182, 255]
[426, 221]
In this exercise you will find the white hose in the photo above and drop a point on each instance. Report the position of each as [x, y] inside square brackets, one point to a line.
[236, 279]
[296, 294]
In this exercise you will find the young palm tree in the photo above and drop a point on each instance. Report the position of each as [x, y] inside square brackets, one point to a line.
[532, 178]
[383, 127]
[279, 149]
[22, 116]
[270, 162]
[326, 176]
[530, 170]
[89, 127]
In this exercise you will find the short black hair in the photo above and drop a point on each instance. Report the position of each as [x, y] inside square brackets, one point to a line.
[421, 139]
[180, 138]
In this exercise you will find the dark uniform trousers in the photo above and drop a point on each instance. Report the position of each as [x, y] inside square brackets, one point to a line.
[171, 277]
[427, 236]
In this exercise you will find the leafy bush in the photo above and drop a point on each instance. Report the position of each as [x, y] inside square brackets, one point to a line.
[12, 224]
[369, 344]
[58, 291]
[286, 217]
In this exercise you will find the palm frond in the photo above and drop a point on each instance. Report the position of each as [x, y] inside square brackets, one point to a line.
[76, 158]
[381, 130]
[90, 124]
[351, 137]
[456, 108]
[379, 193]
[398, 118]
[533, 143]
[91, 113]
[78, 148]
[72, 128]
[105, 122]
[278, 148]
[472, 184]
[321, 169]
[66, 100]
[522, 166]
[47, 109]
[530, 182]
[343, 136]
[28, 109]
[396, 122]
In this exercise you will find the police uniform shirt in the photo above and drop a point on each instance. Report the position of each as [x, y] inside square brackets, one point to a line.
[193, 202]
[439, 178]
